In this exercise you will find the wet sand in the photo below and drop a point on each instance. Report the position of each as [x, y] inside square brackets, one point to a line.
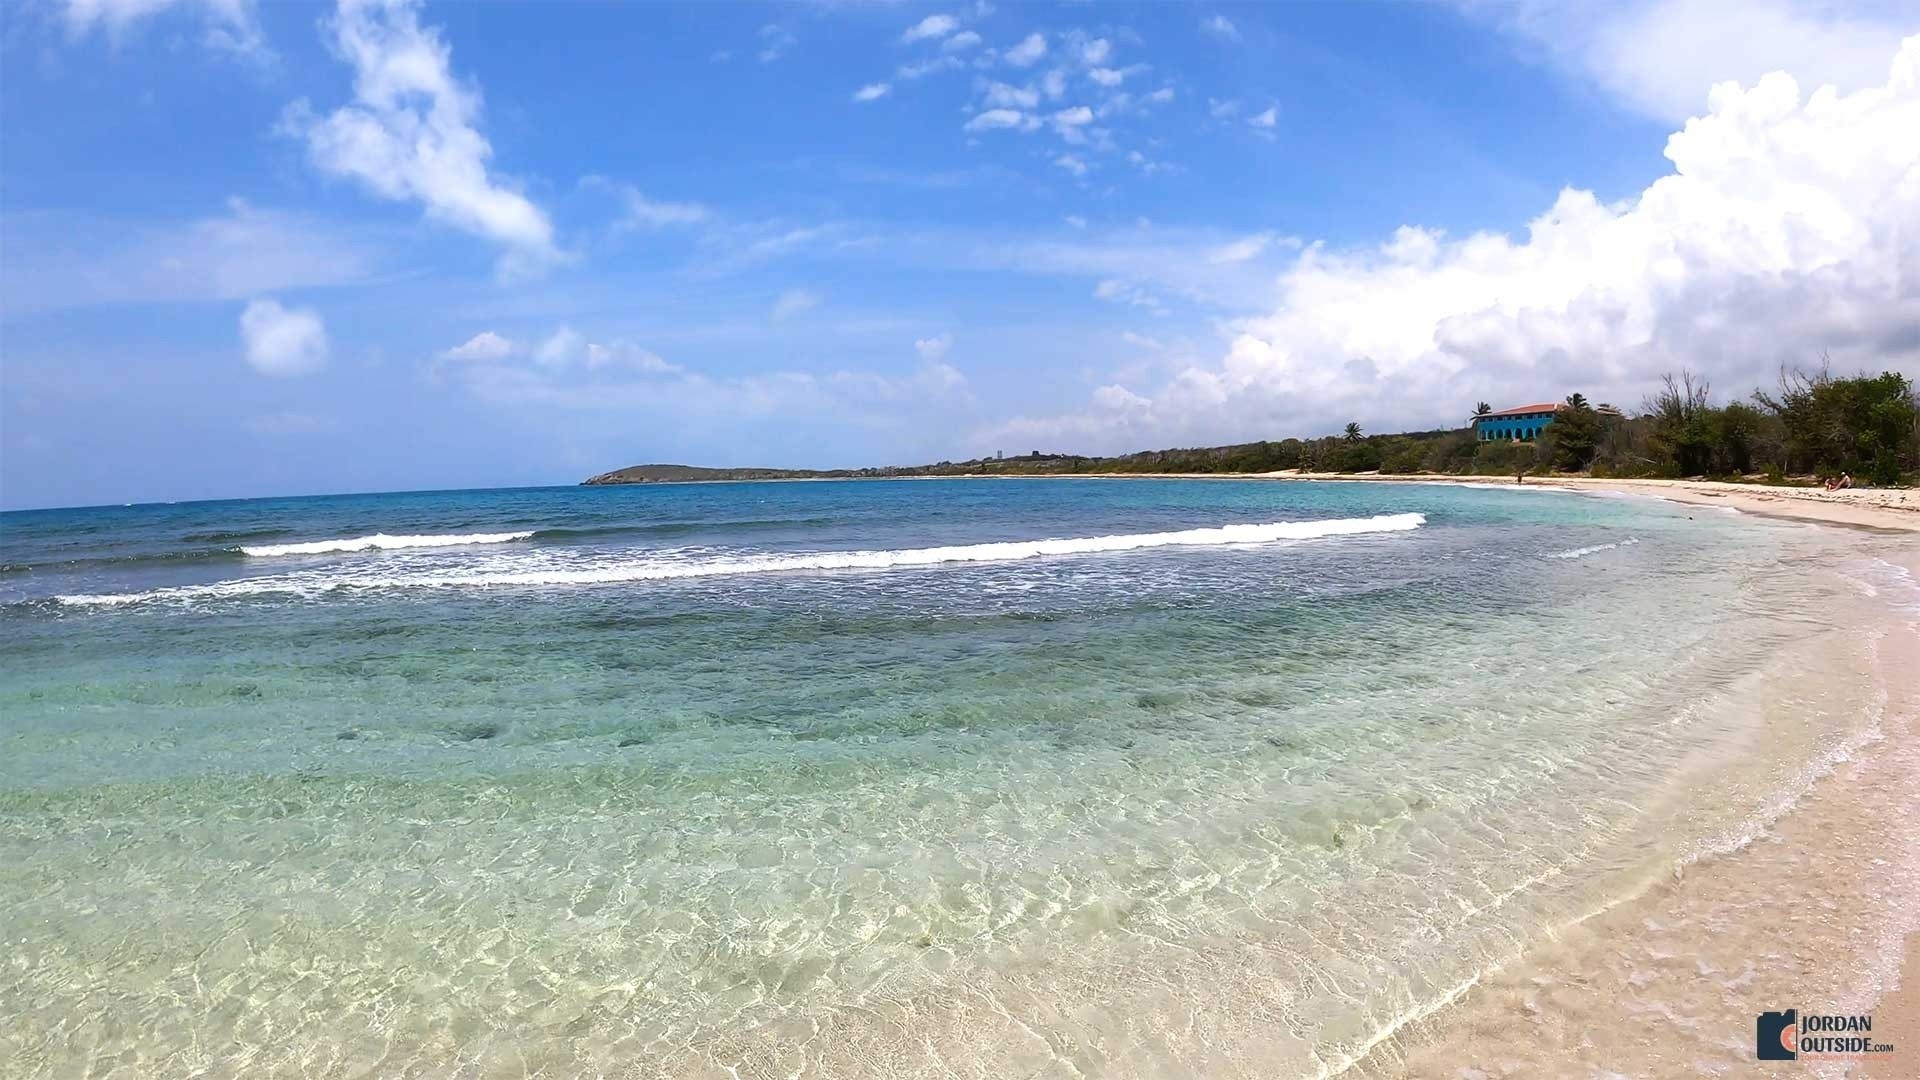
[1819, 909]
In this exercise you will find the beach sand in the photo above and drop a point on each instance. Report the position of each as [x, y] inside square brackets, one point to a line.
[1817, 908]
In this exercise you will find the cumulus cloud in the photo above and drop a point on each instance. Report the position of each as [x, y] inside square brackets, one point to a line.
[564, 353]
[412, 132]
[933, 350]
[281, 340]
[1266, 119]
[483, 347]
[1785, 229]
[965, 39]
[625, 355]
[933, 26]
[872, 92]
[563, 347]
[1073, 163]
[231, 26]
[1028, 52]
[999, 95]
[1649, 53]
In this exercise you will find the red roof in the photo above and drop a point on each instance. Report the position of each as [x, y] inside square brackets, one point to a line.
[1545, 406]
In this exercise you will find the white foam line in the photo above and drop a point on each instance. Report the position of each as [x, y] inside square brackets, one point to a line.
[658, 570]
[1580, 552]
[383, 542]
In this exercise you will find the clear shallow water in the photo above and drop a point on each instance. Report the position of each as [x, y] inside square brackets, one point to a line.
[867, 777]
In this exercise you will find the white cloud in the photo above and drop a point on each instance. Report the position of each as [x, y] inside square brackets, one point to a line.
[1001, 118]
[1784, 231]
[935, 349]
[482, 347]
[1094, 53]
[793, 302]
[1072, 164]
[1028, 52]
[625, 355]
[1076, 221]
[1660, 56]
[1222, 110]
[645, 213]
[873, 92]
[1221, 27]
[1067, 123]
[562, 348]
[965, 39]
[922, 68]
[230, 26]
[412, 132]
[282, 341]
[999, 95]
[1243, 249]
[567, 353]
[1266, 119]
[1054, 83]
[933, 26]
[1160, 96]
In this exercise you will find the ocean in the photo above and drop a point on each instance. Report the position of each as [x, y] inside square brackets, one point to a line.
[1052, 777]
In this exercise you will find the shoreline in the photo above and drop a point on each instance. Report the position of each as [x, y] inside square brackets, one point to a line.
[1811, 908]
[1894, 510]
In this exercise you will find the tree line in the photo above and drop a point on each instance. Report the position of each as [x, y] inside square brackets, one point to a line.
[1814, 424]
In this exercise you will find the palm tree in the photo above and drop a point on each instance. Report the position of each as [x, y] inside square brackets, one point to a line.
[1353, 432]
[1577, 402]
[1482, 409]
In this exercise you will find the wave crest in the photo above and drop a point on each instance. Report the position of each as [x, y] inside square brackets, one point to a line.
[657, 569]
[383, 542]
[1578, 553]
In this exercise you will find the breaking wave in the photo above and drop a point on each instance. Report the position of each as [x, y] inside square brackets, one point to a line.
[1577, 553]
[383, 542]
[655, 568]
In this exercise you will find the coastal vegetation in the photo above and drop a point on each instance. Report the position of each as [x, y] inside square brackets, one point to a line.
[1813, 425]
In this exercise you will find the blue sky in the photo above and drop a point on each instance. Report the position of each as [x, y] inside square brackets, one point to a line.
[263, 249]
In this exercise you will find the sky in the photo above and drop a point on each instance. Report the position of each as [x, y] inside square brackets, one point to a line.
[257, 249]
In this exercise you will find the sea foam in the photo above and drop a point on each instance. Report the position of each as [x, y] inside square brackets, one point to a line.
[382, 542]
[651, 567]
[1580, 553]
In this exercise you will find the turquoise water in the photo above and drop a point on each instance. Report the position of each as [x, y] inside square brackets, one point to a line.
[988, 778]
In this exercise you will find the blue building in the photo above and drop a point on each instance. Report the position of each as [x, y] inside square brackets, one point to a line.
[1523, 424]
